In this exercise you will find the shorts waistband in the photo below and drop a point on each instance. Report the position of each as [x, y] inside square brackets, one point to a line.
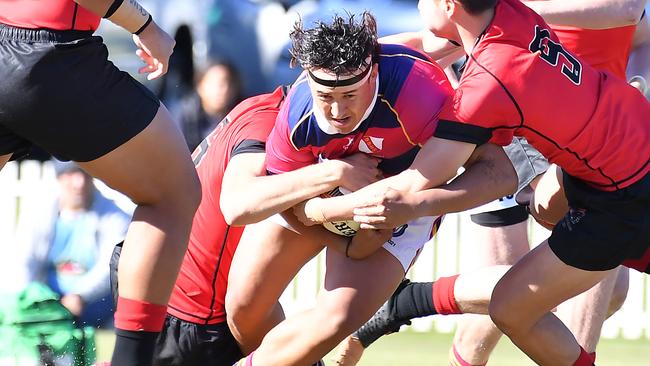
[41, 35]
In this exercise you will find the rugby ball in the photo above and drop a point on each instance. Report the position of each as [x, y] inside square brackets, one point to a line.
[344, 228]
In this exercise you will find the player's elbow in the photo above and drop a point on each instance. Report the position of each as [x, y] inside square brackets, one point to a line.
[233, 213]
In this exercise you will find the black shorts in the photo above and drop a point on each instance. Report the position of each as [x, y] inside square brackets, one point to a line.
[499, 218]
[184, 343]
[59, 91]
[604, 229]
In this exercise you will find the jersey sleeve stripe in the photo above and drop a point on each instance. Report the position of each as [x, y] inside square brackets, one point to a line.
[401, 124]
[457, 131]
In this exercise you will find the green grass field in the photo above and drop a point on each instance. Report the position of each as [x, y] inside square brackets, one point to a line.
[418, 349]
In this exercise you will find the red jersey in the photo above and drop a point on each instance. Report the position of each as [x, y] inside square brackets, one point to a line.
[604, 49]
[520, 80]
[200, 290]
[48, 14]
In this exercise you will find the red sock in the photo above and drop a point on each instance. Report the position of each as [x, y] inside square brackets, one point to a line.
[444, 300]
[584, 359]
[138, 315]
[456, 360]
[593, 356]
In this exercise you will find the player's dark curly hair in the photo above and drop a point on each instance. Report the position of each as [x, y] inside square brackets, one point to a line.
[477, 6]
[341, 46]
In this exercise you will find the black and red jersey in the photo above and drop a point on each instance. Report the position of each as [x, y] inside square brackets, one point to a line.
[48, 14]
[200, 290]
[520, 80]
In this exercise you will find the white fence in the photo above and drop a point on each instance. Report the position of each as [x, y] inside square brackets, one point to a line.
[25, 185]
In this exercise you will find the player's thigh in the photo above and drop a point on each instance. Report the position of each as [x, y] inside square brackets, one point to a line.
[153, 166]
[500, 245]
[267, 258]
[549, 203]
[355, 289]
[536, 284]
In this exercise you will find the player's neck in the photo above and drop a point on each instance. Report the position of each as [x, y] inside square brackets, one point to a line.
[471, 27]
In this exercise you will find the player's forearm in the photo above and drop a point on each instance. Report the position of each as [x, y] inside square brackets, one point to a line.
[128, 14]
[436, 163]
[424, 41]
[265, 196]
[590, 14]
[481, 183]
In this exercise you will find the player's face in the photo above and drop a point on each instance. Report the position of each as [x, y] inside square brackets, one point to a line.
[436, 18]
[343, 107]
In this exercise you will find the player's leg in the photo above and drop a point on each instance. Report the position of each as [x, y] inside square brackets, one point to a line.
[476, 335]
[353, 291]
[619, 294]
[585, 314]
[4, 159]
[548, 203]
[154, 170]
[600, 231]
[268, 257]
[523, 299]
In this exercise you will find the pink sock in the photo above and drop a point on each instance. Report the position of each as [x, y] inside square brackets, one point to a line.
[456, 360]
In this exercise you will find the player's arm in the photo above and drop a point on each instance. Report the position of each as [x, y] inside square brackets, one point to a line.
[154, 45]
[408, 195]
[488, 168]
[248, 195]
[439, 49]
[590, 14]
[638, 67]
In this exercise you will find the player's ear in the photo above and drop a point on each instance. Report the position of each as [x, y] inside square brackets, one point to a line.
[375, 71]
[450, 7]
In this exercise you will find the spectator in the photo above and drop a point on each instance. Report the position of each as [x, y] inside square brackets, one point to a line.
[218, 90]
[68, 245]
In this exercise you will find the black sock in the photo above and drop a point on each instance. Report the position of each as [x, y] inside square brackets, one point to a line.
[133, 348]
[415, 301]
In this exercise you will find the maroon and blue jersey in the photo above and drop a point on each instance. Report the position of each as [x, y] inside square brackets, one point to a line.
[411, 89]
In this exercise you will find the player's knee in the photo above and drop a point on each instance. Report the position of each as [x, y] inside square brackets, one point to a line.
[178, 199]
[503, 310]
[341, 318]
[241, 313]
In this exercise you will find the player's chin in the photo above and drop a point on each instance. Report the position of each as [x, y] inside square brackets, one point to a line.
[343, 126]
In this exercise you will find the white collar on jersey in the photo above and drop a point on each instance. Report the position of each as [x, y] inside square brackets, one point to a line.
[322, 123]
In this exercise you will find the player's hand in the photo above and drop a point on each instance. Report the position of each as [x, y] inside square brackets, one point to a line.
[154, 49]
[366, 242]
[74, 303]
[387, 209]
[310, 212]
[357, 171]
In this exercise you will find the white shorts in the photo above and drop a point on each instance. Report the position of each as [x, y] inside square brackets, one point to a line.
[407, 240]
[496, 205]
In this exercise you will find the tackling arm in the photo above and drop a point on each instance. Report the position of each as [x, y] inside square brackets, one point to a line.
[589, 14]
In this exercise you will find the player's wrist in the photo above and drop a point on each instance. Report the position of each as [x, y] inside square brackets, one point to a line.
[129, 15]
[334, 172]
[314, 210]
